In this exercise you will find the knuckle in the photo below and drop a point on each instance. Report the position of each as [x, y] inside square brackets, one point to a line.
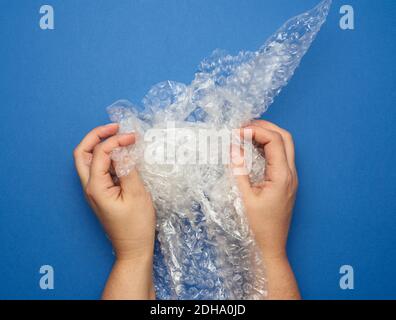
[285, 177]
[137, 192]
[89, 191]
[296, 182]
[276, 136]
[76, 153]
[287, 135]
[289, 179]
[98, 148]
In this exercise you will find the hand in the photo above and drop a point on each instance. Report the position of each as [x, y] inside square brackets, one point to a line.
[269, 204]
[126, 210]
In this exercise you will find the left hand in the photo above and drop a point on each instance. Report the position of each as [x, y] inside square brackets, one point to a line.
[126, 210]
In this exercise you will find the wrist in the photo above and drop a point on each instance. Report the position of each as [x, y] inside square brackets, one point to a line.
[124, 251]
[274, 254]
[131, 278]
[135, 260]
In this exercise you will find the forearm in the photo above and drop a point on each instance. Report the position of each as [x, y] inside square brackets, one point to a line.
[130, 280]
[282, 284]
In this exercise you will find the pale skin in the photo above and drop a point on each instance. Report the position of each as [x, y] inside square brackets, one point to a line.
[127, 213]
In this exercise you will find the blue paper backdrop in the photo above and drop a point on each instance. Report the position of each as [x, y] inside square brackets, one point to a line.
[55, 85]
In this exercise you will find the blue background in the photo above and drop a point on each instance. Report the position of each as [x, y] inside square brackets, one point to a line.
[55, 85]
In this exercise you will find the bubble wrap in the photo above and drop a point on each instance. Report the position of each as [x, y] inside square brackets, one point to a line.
[204, 247]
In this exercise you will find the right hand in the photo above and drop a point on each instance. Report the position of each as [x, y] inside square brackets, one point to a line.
[269, 204]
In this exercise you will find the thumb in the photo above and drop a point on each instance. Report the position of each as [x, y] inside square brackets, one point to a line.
[132, 183]
[239, 170]
[243, 184]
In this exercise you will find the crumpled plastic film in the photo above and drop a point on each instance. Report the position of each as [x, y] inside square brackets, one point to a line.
[205, 249]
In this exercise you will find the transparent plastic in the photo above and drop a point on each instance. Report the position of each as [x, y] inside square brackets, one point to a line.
[205, 249]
